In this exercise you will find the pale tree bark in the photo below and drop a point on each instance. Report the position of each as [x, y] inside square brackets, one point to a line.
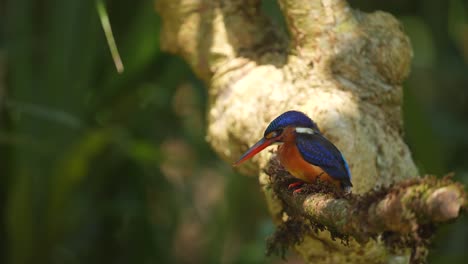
[342, 67]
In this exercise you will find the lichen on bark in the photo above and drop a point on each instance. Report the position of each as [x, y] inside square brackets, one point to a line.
[342, 67]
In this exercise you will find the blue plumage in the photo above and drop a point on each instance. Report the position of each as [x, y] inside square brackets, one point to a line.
[318, 151]
[301, 138]
[289, 118]
[314, 148]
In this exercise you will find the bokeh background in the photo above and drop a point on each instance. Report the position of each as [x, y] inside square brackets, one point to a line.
[97, 167]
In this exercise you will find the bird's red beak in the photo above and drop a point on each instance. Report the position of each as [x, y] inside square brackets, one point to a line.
[259, 146]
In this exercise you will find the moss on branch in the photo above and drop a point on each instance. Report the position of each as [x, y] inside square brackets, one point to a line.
[403, 214]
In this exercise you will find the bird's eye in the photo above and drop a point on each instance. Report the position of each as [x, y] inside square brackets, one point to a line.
[274, 134]
[270, 135]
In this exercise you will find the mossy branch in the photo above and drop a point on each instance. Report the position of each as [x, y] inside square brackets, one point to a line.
[399, 208]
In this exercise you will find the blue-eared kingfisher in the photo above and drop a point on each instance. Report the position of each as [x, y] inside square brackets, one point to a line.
[304, 152]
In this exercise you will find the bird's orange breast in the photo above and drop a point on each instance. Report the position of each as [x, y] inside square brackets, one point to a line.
[294, 163]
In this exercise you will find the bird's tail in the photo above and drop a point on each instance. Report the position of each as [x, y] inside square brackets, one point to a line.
[347, 189]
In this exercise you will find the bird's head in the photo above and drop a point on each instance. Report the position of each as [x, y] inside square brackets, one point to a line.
[277, 129]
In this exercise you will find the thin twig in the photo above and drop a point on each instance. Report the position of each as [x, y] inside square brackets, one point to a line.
[102, 12]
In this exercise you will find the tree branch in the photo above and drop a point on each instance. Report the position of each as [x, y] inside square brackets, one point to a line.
[216, 36]
[397, 218]
[400, 208]
[308, 20]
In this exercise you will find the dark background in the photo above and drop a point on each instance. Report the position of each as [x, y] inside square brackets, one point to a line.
[97, 167]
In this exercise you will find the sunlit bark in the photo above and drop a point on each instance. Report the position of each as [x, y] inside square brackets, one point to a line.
[342, 67]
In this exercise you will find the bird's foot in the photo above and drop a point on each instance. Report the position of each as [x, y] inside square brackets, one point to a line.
[295, 186]
[298, 191]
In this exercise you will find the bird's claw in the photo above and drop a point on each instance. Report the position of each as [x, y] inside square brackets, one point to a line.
[294, 185]
[297, 191]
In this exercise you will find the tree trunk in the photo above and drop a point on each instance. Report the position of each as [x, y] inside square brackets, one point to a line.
[342, 67]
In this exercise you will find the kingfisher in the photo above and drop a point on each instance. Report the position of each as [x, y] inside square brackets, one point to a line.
[304, 152]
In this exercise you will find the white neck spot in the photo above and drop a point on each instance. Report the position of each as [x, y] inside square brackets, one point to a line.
[305, 130]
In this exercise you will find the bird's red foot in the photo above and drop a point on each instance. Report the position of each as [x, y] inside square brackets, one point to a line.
[294, 185]
[297, 191]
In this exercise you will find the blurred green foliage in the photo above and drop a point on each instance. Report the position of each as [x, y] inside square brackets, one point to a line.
[97, 167]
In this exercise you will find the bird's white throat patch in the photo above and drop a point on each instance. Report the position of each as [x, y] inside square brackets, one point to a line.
[305, 130]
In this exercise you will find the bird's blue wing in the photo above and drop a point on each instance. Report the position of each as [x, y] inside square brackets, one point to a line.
[318, 151]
